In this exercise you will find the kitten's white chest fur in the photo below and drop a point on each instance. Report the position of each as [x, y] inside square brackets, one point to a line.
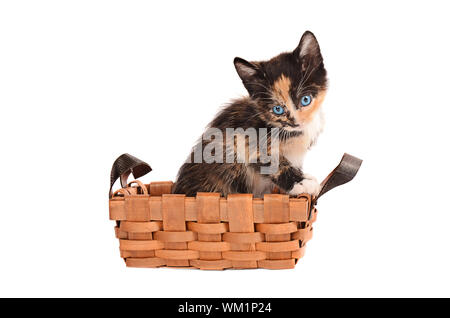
[295, 149]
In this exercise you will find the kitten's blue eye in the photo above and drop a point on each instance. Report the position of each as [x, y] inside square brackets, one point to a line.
[305, 100]
[278, 110]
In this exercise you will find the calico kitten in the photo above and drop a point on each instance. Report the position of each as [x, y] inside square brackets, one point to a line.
[285, 93]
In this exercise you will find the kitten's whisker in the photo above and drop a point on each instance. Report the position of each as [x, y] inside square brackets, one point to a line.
[306, 91]
[257, 114]
[259, 84]
[266, 98]
[304, 77]
[308, 74]
[264, 94]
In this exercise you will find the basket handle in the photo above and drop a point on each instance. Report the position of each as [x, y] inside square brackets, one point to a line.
[343, 173]
[140, 185]
[122, 191]
[123, 166]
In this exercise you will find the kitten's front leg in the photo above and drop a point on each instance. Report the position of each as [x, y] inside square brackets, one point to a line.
[293, 181]
[309, 185]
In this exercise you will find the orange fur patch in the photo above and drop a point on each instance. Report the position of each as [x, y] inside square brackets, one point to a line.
[306, 114]
[281, 89]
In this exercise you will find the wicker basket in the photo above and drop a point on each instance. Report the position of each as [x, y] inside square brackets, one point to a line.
[156, 228]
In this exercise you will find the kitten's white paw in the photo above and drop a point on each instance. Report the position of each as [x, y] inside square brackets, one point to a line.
[308, 185]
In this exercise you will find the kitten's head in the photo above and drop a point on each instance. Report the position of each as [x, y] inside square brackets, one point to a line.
[289, 88]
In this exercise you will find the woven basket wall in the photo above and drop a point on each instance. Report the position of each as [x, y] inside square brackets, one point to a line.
[156, 228]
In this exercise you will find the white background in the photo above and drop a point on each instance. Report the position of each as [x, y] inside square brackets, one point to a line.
[82, 82]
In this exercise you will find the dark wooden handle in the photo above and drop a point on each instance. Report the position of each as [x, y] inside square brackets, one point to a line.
[123, 166]
[343, 173]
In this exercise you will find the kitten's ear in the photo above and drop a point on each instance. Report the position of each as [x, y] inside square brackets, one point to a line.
[251, 75]
[308, 50]
[247, 71]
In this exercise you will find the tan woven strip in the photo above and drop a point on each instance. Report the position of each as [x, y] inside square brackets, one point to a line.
[283, 228]
[244, 256]
[276, 208]
[212, 265]
[166, 236]
[173, 212]
[243, 237]
[174, 220]
[131, 245]
[208, 208]
[303, 235]
[209, 246]
[145, 262]
[258, 210]
[137, 208]
[120, 234]
[223, 209]
[277, 227]
[190, 209]
[240, 219]
[137, 254]
[140, 236]
[277, 264]
[160, 188]
[155, 204]
[208, 228]
[278, 237]
[277, 246]
[279, 255]
[299, 253]
[117, 209]
[177, 254]
[129, 226]
[298, 209]
[240, 213]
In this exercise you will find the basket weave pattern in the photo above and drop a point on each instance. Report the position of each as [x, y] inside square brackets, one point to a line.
[156, 228]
